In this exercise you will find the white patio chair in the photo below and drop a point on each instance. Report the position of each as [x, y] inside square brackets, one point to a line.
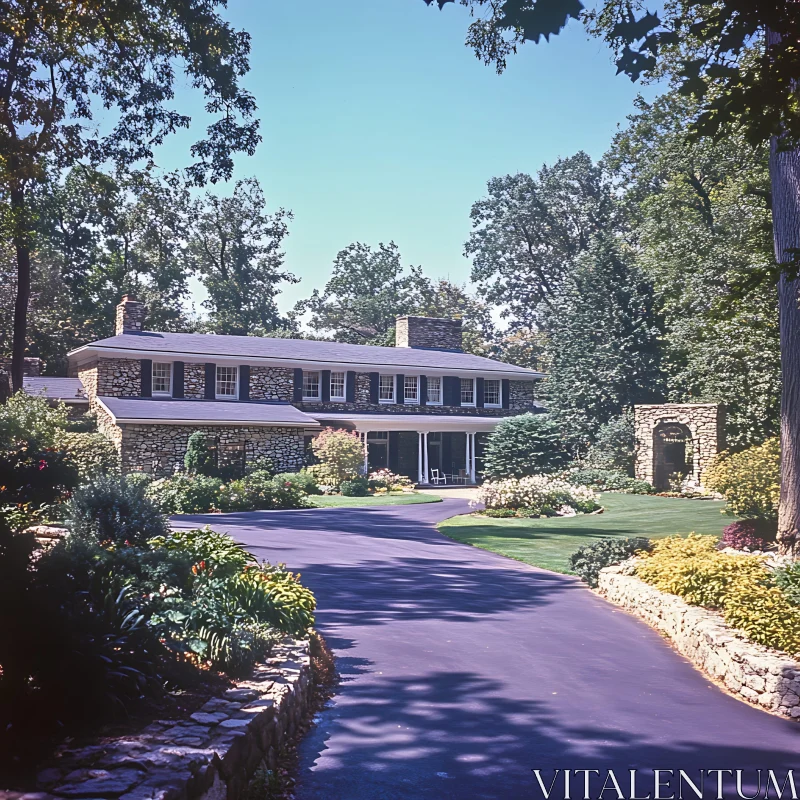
[437, 477]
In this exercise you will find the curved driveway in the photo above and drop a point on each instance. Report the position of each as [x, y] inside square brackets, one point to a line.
[462, 670]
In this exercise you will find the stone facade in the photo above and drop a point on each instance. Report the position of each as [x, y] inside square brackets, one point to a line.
[130, 316]
[159, 449]
[521, 395]
[431, 333]
[700, 424]
[194, 380]
[271, 383]
[753, 673]
[211, 756]
[118, 377]
[88, 377]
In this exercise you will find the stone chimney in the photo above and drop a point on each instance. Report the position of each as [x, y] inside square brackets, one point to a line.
[130, 315]
[429, 333]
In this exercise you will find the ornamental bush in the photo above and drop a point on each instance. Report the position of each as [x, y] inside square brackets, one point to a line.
[587, 561]
[259, 491]
[340, 454]
[185, 494]
[763, 614]
[537, 494]
[787, 579]
[200, 457]
[605, 480]
[92, 454]
[304, 481]
[358, 487]
[753, 534]
[750, 480]
[528, 444]
[388, 481]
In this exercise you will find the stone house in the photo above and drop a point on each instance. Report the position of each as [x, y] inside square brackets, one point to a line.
[422, 408]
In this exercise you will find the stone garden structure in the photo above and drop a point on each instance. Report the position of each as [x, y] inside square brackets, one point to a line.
[677, 438]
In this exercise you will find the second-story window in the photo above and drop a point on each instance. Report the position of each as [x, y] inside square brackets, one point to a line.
[434, 391]
[311, 386]
[162, 378]
[411, 389]
[468, 391]
[337, 385]
[386, 388]
[491, 392]
[226, 382]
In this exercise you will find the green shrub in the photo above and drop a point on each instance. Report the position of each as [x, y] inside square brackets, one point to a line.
[614, 447]
[237, 650]
[763, 614]
[32, 419]
[528, 444]
[750, 480]
[605, 480]
[359, 487]
[587, 561]
[260, 491]
[92, 454]
[113, 510]
[304, 481]
[185, 494]
[787, 579]
[261, 464]
[200, 457]
[339, 453]
[217, 552]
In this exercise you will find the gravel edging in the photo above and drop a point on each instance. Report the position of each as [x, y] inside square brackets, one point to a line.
[210, 756]
[756, 674]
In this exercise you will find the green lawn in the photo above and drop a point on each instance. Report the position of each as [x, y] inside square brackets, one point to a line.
[548, 543]
[335, 501]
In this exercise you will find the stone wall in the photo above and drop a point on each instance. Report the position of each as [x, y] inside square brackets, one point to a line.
[130, 316]
[119, 377]
[521, 395]
[703, 421]
[194, 380]
[88, 377]
[159, 449]
[211, 756]
[431, 333]
[271, 383]
[761, 676]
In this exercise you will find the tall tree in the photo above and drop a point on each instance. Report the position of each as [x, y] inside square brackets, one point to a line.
[236, 247]
[741, 61]
[60, 60]
[528, 231]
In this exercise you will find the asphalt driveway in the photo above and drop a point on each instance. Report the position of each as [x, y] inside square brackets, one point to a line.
[463, 671]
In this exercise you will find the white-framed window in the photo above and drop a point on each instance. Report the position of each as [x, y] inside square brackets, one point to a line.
[434, 391]
[492, 393]
[468, 391]
[310, 385]
[337, 386]
[386, 388]
[162, 377]
[411, 389]
[227, 383]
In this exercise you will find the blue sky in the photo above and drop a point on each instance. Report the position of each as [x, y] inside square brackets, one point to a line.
[380, 124]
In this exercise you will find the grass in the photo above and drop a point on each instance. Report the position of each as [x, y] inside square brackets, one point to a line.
[400, 499]
[548, 543]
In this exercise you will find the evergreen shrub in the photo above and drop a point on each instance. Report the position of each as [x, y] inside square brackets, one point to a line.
[528, 444]
[587, 561]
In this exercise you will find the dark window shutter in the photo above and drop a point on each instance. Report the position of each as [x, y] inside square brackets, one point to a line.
[325, 389]
[452, 391]
[147, 377]
[177, 379]
[211, 381]
[350, 387]
[373, 387]
[423, 390]
[244, 382]
[394, 450]
[297, 390]
[400, 389]
[506, 390]
[479, 396]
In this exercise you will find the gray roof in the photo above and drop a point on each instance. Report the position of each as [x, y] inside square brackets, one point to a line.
[206, 412]
[204, 346]
[70, 390]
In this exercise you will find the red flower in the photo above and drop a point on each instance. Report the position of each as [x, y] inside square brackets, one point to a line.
[42, 465]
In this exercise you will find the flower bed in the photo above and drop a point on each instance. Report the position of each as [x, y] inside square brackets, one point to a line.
[536, 495]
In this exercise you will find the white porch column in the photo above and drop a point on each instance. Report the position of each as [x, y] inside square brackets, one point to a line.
[363, 435]
[420, 458]
[472, 464]
[467, 456]
[425, 465]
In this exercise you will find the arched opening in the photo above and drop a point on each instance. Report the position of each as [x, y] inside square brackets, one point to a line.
[673, 455]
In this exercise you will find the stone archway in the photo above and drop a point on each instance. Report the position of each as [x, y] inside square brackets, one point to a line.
[676, 437]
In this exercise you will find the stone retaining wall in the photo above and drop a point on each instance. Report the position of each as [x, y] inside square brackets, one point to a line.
[211, 756]
[750, 671]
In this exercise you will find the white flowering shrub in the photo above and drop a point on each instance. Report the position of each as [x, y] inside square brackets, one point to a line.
[538, 495]
[388, 481]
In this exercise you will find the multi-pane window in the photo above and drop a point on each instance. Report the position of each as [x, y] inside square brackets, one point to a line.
[467, 391]
[337, 385]
[162, 378]
[226, 381]
[434, 391]
[411, 389]
[310, 385]
[491, 392]
[386, 388]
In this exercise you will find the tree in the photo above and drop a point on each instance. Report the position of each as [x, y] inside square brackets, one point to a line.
[604, 347]
[528, 444]
[741, 61]
[340, 455]
[235, 246]
[60, 60]
[528, 231]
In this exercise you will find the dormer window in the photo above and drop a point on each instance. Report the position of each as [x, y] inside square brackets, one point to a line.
[162, 378]
[311, 386]
[227, 383]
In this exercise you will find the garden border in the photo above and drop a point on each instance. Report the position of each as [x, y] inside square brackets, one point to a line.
[211, 756]
[756, 674]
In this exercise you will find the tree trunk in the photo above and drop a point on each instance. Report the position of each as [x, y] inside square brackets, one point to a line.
[22, 246]
[785, 175]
